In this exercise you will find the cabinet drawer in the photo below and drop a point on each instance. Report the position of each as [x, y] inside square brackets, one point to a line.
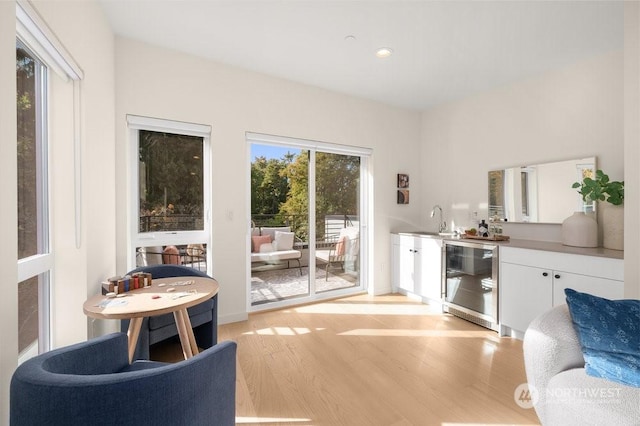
[594, 266]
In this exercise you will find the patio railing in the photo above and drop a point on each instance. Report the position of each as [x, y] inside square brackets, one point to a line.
[327, 227]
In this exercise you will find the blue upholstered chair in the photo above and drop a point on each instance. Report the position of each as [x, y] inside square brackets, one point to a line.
[204, 317]
[92, 383]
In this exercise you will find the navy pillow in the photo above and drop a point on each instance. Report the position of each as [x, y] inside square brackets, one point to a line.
[609, 333]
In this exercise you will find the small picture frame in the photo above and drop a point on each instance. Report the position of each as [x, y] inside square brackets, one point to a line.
[403, 196]
[403, 180]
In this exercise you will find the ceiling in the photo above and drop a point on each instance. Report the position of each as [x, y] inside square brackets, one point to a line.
[442, 50]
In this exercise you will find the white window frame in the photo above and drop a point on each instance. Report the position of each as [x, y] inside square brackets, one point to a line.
[366, 215]
[34, 33]
[136, 123]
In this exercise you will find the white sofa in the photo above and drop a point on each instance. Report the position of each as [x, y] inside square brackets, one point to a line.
[277, 250]
[563, 394]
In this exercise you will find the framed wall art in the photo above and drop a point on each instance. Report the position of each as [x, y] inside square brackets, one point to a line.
[403, 180]
[403, 196]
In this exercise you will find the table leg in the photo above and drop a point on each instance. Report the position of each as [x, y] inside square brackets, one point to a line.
[192, 338]
[183, 332]
[135, 324]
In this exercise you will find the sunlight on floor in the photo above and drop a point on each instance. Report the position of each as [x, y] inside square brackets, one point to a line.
[267, 420]
[282, 331]
[414, 333]
[368, 309]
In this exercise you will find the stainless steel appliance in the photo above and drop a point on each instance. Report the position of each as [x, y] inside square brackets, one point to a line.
[470, 281]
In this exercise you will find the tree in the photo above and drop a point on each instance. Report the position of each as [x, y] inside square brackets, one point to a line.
[269, 186]
[337, 182]
[27, 150]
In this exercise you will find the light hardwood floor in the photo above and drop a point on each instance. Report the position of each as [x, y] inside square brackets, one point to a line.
[364, 360]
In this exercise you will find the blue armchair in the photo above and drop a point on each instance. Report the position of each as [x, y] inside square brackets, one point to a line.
[204, 317]
[92, 383]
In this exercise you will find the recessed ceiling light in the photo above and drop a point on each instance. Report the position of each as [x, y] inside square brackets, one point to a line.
[384, 52]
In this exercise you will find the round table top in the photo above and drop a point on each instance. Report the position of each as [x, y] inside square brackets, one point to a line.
[155, 300]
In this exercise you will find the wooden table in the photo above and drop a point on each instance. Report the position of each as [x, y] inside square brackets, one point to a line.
[156, 300]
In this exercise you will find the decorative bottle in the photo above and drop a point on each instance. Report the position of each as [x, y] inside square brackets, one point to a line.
[483, 229]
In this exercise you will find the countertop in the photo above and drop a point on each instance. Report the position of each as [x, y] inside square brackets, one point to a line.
[528, 244]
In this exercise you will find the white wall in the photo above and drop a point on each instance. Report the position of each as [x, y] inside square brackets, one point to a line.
[83, 30]
[161, 83]
[632, 149]
[575, 112]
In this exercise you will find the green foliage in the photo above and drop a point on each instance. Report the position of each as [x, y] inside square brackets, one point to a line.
[172, 169]
[269, 186]
[280, 187]
[601, 189]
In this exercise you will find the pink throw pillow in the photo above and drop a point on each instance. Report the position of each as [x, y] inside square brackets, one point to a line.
[341, 245]
[258, 240]
[171, 255]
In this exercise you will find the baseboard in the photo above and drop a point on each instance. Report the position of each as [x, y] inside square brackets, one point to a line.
[237, 317]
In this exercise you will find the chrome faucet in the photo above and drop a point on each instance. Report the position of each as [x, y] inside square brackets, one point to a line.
[442, 225]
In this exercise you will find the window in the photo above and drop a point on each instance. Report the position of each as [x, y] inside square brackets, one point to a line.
[34, 259]
[40, 57]
[169, 214]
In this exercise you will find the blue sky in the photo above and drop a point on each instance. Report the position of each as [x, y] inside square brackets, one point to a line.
[269, 151]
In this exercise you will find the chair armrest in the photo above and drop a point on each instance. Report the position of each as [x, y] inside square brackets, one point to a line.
[102, 355]
[197, 391]
[551, 346]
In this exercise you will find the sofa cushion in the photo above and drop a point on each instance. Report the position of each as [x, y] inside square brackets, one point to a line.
[271, 231]
[283, 241]
[276, 256]
[609, 333]
[257, 241]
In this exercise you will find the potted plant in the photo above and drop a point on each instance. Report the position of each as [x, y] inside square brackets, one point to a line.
[601, 188]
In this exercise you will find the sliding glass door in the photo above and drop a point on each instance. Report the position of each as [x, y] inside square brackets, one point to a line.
[337, 220]
[306, 222]
[279, 224]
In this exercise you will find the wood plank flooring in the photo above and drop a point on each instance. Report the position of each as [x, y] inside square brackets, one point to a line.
[365, 360]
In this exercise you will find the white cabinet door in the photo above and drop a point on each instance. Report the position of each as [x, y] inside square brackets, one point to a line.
[601, 287]
[417, 265]
[525, 293]
[430, 256]
[405, 267]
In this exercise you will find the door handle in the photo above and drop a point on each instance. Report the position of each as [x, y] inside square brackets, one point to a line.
[545, 274]
[556, 276]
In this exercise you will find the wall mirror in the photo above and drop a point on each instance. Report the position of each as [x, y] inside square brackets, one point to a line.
[539, 193]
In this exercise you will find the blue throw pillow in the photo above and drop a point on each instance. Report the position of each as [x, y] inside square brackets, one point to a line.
[609, 333]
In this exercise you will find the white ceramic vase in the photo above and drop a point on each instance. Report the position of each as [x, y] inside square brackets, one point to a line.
[612, 226]
[580, 230]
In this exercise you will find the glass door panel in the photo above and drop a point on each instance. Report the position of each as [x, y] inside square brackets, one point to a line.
[279, 224]
[337, 220]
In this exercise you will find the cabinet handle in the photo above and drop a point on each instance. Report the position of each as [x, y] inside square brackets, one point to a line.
[545, 274]
[556, 276]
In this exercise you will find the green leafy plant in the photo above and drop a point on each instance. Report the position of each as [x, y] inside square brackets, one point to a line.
[601, 189]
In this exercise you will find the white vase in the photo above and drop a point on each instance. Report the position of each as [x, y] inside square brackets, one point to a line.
[580, 230]
[612, 226]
